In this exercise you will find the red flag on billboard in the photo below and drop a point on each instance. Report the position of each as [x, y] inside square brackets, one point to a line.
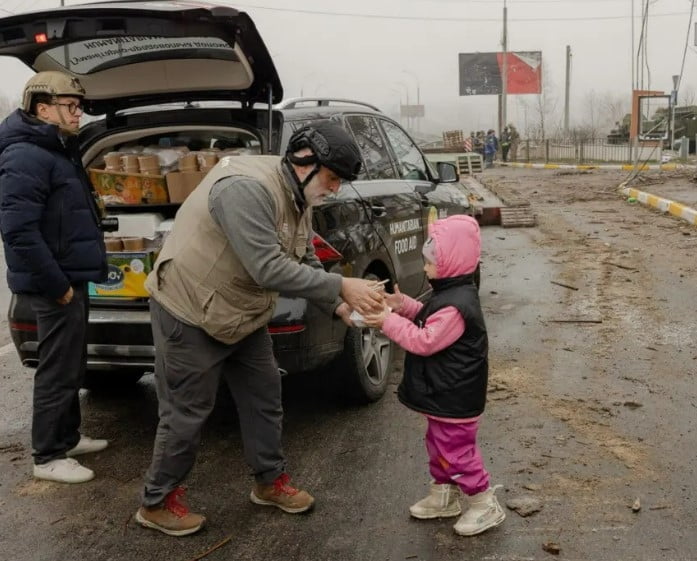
[524, 72]
[481, 73]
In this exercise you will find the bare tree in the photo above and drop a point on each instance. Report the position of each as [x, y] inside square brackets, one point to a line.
[541, 115]
[602, 112]
[688, 95]
[592, 111]
[615, 107]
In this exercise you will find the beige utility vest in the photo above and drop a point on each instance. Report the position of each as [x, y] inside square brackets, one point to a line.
[199, 278]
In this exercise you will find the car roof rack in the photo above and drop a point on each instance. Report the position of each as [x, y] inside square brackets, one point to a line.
[293, 102]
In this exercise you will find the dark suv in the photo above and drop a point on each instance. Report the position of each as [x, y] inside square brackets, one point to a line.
[174, 74]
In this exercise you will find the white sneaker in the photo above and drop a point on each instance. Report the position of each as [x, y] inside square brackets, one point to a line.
[64, 470]
[87, 445]
[484, 512]
[441, 502]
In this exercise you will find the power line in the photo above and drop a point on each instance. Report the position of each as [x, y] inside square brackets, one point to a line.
[443, 19]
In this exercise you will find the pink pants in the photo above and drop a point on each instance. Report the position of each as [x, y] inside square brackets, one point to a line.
[454, 456]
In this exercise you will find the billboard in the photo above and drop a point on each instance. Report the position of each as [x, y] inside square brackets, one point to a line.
[482, 73]
[411, 111]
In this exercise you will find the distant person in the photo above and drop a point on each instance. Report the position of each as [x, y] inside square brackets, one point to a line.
[505, 143]
[491, 146]
[445, 374]
[478, 143]
[515, 141]
[243, 236]
[50, 225]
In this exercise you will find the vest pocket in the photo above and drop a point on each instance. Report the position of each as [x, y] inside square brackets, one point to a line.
[232, 311]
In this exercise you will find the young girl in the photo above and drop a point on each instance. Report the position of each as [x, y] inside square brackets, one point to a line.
[445, 374]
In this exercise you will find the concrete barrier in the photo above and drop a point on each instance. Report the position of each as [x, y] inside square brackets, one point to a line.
[678, 210]
[623, 167]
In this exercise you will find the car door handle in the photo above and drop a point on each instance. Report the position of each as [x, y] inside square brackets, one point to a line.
[378, 210]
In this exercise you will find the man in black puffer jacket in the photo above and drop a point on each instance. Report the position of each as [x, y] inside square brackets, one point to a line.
[50, 225]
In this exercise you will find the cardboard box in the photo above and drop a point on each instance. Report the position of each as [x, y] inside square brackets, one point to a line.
[180, 184]
[129, 188]
[127, 271]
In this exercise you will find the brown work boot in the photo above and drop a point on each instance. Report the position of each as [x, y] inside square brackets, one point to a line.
[172, 516]
[281, 494]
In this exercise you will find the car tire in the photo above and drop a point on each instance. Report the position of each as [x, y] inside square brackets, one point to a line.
[111, 380]
[366, 363]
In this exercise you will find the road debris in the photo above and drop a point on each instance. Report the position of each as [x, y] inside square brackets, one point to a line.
[636, 507]
[620, 266]
[564, 285]
[211, 549]
[525, 505]
[577, 320]
[632, 404]
[551, 547]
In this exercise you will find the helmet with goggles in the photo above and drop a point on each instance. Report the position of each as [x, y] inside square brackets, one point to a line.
[331, 145]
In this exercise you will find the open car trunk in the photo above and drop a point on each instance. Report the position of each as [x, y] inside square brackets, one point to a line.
[128, 54]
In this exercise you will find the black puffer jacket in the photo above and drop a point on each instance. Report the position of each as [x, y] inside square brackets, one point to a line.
[48, 217]
[450, 383]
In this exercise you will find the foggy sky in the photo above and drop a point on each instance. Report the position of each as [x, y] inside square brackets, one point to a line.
[383, 51]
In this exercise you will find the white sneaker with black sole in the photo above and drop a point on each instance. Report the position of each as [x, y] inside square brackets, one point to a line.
[63, 470]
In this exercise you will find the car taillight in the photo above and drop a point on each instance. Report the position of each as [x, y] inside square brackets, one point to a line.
[324, 251]
[276, 329]
[17, 326]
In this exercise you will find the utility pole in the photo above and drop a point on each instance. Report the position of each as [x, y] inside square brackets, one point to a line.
[504, 73]
[673, 103]
[567, 90]
[632, 59]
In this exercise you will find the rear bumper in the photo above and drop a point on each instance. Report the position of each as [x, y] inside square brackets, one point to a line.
[304, 337]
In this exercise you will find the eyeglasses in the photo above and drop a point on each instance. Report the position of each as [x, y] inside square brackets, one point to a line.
[72, 107]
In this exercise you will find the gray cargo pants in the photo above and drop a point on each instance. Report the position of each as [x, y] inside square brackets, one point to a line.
[188, 367]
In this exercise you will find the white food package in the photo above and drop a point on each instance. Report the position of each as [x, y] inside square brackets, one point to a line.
[357, 318]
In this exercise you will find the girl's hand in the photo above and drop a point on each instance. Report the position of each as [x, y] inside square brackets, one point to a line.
[394, 301]
[376, 319]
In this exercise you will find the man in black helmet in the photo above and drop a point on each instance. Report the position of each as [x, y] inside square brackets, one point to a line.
[239, 239]
[53, 246]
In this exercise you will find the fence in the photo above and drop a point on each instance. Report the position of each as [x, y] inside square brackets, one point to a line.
[591, 151]
[587, 151]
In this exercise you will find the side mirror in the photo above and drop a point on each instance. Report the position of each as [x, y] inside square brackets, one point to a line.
[447, 172]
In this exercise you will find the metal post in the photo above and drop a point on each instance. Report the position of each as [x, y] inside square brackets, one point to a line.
[418, 103]
[673, 103]
[504, 74]
[632, 59]
[566, 95]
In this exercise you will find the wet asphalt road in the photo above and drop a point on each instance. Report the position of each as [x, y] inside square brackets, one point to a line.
[585, 417]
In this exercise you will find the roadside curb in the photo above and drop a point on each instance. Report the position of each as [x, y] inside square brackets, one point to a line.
[678, 210]
[623, 167]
